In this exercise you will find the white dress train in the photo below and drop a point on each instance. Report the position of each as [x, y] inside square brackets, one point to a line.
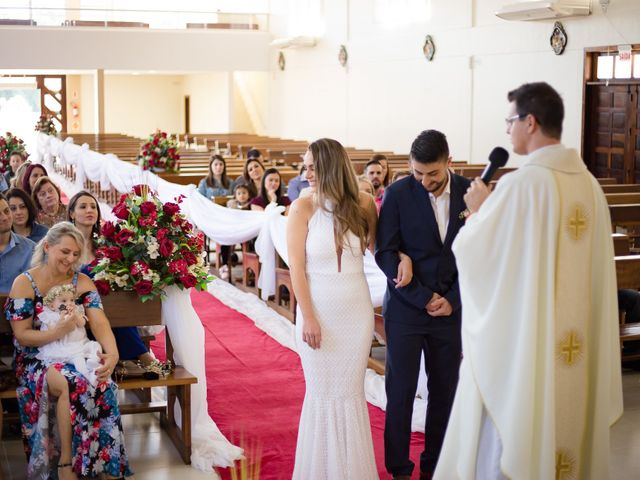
[334, 437]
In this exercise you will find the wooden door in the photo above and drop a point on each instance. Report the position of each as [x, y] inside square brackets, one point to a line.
[611, 142]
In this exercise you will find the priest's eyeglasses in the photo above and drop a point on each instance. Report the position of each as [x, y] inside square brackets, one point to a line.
[509, 121]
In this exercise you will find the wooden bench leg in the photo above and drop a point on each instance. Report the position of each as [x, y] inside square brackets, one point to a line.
[181, 437]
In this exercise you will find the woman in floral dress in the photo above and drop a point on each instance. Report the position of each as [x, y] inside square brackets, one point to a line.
[70, 428]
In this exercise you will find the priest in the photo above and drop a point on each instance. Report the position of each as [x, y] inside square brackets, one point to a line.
[540, 381]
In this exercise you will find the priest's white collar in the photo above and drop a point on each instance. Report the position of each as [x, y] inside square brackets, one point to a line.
[556, 157]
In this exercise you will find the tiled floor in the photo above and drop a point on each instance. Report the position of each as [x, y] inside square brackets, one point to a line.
[153, 456]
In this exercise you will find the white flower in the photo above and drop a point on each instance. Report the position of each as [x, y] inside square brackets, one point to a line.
[122, 281]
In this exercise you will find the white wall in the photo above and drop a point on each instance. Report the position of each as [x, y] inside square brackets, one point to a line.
[389, 92]
[138, 104]
[209, 102]
[84, 48]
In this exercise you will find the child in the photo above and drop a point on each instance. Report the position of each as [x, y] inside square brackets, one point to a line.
[241, 198]
[75, 347]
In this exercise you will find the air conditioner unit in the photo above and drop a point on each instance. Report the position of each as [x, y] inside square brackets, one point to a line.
[294, 42]
[544, 10]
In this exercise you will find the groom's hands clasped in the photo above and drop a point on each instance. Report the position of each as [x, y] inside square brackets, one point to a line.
[439, 306]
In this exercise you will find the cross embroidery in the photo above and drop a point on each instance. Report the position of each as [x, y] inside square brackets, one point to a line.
[564, 466]
[571, 348]
[577, 224]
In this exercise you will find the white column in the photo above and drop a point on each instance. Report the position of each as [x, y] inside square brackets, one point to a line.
[98, 101]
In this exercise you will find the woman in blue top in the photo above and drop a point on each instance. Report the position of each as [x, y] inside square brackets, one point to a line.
[24, 215]
[216, 184]
[84, 213]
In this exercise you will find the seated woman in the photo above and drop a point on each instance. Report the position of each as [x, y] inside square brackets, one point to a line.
[216, 184]
[251, 176]
[24, 215]
[47, 199]
[32, 173]
[84, 213]
[270, 191]
[80, 434]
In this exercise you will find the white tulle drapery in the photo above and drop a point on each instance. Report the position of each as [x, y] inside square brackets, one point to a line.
[209, 445]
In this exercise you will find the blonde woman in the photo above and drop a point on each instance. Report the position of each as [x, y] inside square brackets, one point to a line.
[79, 434]
[327, 234]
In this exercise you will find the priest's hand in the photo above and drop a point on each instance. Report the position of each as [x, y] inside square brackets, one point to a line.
[440, 307]
[311, 332]
[476, 194]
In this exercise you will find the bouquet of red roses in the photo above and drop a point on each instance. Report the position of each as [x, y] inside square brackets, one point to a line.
[45, 125]
[9, 144]
[150, 246]
[159, 153]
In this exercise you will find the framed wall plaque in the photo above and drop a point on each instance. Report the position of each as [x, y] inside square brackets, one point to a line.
[429, 48]
[558, 39]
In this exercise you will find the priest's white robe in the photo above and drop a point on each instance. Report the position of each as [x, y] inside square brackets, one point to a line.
[540, 381]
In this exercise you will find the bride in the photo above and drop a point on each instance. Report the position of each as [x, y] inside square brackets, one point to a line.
[327, 235]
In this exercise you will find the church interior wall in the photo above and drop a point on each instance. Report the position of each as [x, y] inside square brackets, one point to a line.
[388, 92]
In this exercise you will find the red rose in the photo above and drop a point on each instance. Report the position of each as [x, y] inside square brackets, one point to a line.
[123, 236]
[163, 135]
[189, 257]
[103, 287]
[146, 208]
[179, 266]
[143, 287]
[139, 267]
[166, 247]
[113, 253]
[121, 211]
[147, 221]
[161, 233]
[155, 141]
[108, 229]
[171, 208]
[188, 281]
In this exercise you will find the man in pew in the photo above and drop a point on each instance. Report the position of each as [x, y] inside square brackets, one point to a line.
[15, 250]
[540, 381]
[374, 172]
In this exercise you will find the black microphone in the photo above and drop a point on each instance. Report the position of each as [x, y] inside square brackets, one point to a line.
[497, 158]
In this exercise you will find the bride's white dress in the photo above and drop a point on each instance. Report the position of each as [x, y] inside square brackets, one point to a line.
[334, 437]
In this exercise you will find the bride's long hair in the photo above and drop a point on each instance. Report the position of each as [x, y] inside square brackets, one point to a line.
[337, 190]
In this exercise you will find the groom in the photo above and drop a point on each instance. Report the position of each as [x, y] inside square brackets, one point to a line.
[420, 216]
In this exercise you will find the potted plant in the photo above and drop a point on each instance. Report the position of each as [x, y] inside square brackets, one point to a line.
[159, 153]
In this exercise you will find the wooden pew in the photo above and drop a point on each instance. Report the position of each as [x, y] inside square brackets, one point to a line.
[127, 311]
[628, 276]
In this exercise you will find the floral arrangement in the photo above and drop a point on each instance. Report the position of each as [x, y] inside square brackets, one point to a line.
[160, 152]
[150, 246]
[10, 144]
[45, 125]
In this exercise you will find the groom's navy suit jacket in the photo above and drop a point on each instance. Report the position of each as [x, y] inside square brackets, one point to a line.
[408, 224]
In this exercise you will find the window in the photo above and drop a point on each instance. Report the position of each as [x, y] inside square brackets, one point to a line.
[611, 66]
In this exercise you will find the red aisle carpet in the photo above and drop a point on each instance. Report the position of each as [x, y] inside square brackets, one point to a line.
[255, 389]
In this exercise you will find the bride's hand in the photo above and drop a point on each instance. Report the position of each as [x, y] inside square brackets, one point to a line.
[405, 271]
[311, 332]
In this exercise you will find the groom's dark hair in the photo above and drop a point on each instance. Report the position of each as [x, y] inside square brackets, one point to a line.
[430, 146]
